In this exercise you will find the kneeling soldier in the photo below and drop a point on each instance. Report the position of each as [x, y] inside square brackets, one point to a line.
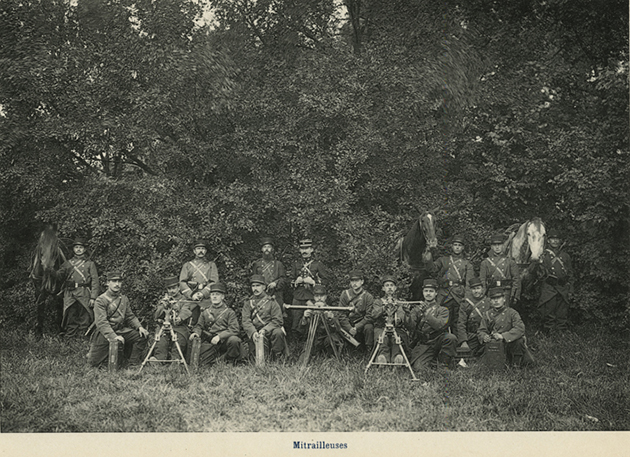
[262, 318]
[218, 329]
[115, 321]
[430, 322]
[359, 321]
[470, 315]
[501, 323]
[174, 309]
[388, 315]
[322, 342]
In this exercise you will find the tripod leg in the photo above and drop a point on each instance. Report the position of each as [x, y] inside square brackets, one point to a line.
[312, 329]
[332, 342]
[376, 349]
[402, 351]
[155, 340]
[179, 349]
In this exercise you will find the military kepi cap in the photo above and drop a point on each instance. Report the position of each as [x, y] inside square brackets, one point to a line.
[553, 233]
[388, 278]
[114, 274]
[267, 240]
[458, 239]
[356, 274]
[475, 282]
[258, 279]
[218, 287]
[496, 292]
[79, 242]
[430, 283]
[497, 239]
[306, 243]
[319, 289]
[201, 244]
[171, 281]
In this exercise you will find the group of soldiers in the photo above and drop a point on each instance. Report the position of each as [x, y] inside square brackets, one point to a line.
[455, 315]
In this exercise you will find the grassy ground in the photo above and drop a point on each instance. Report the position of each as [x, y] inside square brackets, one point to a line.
[579, 383]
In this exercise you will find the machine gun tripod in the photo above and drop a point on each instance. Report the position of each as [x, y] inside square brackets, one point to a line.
[390, 332]
[166, 326]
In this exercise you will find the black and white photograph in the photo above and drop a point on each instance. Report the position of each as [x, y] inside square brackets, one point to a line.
[340, 227]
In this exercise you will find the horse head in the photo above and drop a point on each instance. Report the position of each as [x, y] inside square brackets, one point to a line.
[427, 224]
[48, 257]
[418, 240]
[536, 238]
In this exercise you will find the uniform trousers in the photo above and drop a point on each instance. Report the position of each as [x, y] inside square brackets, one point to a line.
[441, 349]
[132, 349]
[78, 320]
[476, 347]
[554, 313]
[452, 304]
[389, 348]
[366, 336]
[165, 345]
[209, 352]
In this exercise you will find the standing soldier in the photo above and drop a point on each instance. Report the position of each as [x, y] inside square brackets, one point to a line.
[272, 270]
[453, 274]
[359, 321]
[218, 329]
[262, 318]
[430, 321]
[115, 321]
[499, 270]
[470, 315]
[558, 285]
[305, 274]
[175, 310]
[80, 291]
[501, 323]
[196, 277]
[387, 315]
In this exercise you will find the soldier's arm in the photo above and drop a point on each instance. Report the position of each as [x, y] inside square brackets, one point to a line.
[276, 317]
[517, 330]
[324, 273]
[186, 310]
[246, 319]
[100, 319]
[231, 324]
[369, 302]
[130, 318]
[462, 335]
[439, 321]
[183, 282]
[470, 273]
[516, 275]
[282, 276]
[483, 330]
[483, 273]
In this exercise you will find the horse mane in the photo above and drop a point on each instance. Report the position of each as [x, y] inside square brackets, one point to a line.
[413, 245]
[48, 256]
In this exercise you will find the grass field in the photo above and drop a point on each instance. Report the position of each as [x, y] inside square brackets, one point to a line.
[579, 383]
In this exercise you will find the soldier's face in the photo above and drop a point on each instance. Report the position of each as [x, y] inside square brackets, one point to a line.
[356, 284]
[389, 288]
[319, 298]
[114, 285]
[267, 249]
[497, 248]
[429, 293]
[216, 297]
[497, 301]
[554, 242]
[78, 249]
[258, 288]
[200, 251]
[458, 248]
[477, 291]
[306, 252]
[172, 291]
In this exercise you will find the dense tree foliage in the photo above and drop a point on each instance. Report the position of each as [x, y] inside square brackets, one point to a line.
[142, 126]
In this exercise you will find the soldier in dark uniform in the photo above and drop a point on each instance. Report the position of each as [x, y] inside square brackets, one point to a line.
[453, 273]
[304, 275]
[218, 329]
[359, 321]
[175, 309]
[504, 324]
[470, 315]
[272, 270]
[430, 321]
[262, 318]
[387, 314]
[499, 270]
[115, 321]
[558, 285]
[80, 291]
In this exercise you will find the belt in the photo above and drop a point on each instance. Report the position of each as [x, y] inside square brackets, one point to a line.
[76, 285]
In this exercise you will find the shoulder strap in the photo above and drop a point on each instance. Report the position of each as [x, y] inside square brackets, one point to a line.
[452, 262]
[200, 272]
[474, 307]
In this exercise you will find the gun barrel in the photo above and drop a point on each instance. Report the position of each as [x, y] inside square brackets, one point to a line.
[321, 308]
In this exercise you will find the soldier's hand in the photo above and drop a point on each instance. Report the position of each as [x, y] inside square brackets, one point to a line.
[310, 281]
[353, 331]
[193, 336]
[308, 313]
[143, 332]
[120, 338]
[255, 336]
[486, 338]
[497, 336]
[299, 280]
[329, 314]
[465, 346]
[427, 256]
[197, 296]
[271, 285]
[215, 340]
[177, 320]
[92, 302]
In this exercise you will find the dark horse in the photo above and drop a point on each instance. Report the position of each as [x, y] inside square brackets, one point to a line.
[413, 246]
[46, 260]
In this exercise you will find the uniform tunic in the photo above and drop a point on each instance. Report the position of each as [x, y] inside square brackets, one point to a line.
[558, 284]
[507, 322]
[272, 271]
[453, 274]
[80, 287]
[502, 271]
[113, 317]
[470, 316]
[431, 333]
[263, 313]
[304, 292]
[218, 320]
[359, 318]
[196, 276]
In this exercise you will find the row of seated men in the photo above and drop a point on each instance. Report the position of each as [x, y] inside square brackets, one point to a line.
[421, 327]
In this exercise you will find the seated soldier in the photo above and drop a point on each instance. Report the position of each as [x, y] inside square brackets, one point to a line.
[470, 315]
[358, 322]
[262, 318]
[501, 323]
[430, 321]
[218, 329]
[321, 342]
[172, 310]
[388, 315]
[115, 321]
